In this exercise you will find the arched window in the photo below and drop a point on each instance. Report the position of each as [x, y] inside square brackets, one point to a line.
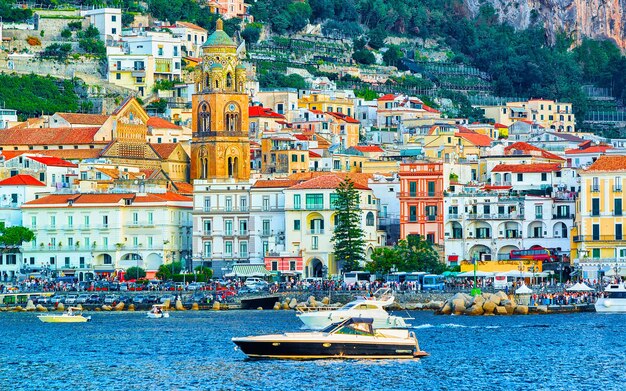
[369, 219]
[217, 84]
[229, 80]
[204, 117]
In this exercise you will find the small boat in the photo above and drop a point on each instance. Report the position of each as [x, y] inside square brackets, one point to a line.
[71, 315]
[354, 338]
[158, 311]
[364, 307]
[614, 300]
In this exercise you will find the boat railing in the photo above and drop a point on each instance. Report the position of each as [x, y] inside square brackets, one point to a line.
[302, 310]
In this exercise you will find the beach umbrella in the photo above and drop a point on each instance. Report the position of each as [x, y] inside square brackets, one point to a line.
[579, 287]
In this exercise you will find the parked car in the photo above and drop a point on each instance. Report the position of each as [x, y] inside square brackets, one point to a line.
[94, 299]
[123, 299]
[110, 299]
[45, 299]
[139, 299]
[82, 299]
[193, 286]
[165, 298]
[152, 299]
[70, 299]
[114, 286]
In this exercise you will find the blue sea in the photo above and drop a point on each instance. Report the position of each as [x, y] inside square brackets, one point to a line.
[193, 351]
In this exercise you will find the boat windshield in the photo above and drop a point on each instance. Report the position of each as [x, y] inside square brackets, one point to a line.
[355, 329]
[617, 295]
[348, 306]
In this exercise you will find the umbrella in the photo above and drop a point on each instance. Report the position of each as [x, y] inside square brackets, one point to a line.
[450, 274]
[523, 290]
[478, 274]
[579, 287]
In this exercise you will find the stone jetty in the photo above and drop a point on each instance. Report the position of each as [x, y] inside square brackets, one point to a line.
[484, 304]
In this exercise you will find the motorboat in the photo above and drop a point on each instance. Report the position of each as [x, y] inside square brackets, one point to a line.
[354, 338]
[363, 307]
[158, 312]
[71, 315]
[614, 299]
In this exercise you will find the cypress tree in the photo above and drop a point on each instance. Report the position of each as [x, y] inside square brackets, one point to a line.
[348, 234]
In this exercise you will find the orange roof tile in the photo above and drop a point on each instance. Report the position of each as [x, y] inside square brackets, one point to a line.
[344, 117]
[387, 97]
[609, 163]
[84, 119]
[314, 154]
[106, 198]
[184, 187]
[499, 126]
[164, 150]
[274, 183]
[49, 136]
[189, 26]
[260, 111]
[592, 149]
[521, 168]
[52, 161]
[477, 139]
[528, 148]
[160, 123]
[328, 181]
[368, 148]
[21, 180]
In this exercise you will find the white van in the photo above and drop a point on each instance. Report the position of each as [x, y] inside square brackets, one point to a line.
[354, 277]
[500, 281]
[255, 282]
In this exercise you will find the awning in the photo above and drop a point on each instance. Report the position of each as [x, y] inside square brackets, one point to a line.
[103, 270]
[479, 273]
[248, 271]
[453, 258]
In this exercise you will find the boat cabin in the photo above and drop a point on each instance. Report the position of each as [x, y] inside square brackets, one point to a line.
[352, 326]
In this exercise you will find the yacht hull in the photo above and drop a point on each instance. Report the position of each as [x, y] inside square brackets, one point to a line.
[304, 350]
[609, 305]
[63, 319]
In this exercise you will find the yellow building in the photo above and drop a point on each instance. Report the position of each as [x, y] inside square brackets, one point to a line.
[550, 114]
[598, 242]
[451, 143]
[283, 154]
[327, 103]
[220, 148]
[345, 128]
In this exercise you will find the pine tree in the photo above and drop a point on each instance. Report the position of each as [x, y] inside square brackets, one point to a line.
[348, 234]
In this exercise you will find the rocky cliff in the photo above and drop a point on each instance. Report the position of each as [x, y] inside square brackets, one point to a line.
[583, 18]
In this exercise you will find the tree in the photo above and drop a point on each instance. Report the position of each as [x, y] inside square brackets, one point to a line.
[252, 33]
[419, 255]
[15, 236]
[134, 272]
[204, 271]
[384, 259]
[364, 56]
[366, 94]
[392, 55]
[348, 236]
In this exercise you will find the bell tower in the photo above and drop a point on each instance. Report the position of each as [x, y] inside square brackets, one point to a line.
[220, 148]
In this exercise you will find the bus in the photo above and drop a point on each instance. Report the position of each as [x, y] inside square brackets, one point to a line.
[433, 282]
[535, 254]
[358, 276]
[399, 277]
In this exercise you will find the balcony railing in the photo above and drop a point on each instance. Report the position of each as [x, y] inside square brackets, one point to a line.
[599, 238]
[416, 194]
[316, 232]
[562, 216]
[617, 189]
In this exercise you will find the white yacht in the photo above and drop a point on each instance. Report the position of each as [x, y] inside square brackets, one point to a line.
[158, 312]
[614, 299]
[364, 307]
[71, 315]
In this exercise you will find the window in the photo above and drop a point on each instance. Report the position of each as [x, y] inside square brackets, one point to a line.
[243, 249]
[431, 212]
[207, 249]
[274, 265]
[292, 265]
[595, 207]
[70, 221]
[266, 203]
[412, 189]
[538, 211]
[228, 227]
[243, 204]
[266, 247]
[207, 204]
[207, 227]
[544, 176]
[595, 253]
[296, 225]
[228, 248]
[618, 184]
[70, 242]
[412, 213]
[280, 108]
[595, 184]
[53, 221]
[86, 221]
[333, 199]
[67, 261]
[135, 241]
[160, 51]
[369, 219]
[105, 221]
[150, 242]
[150, 218]
[294, 158]
[618, 232]
[486, 209]
[314, 201]
[113, 18]
[595, 232]
[314, 242]
[483, 233]
[296, 201]
[229, 204]
[266, 227]
[135, 218]
[431, 188]
[617, 207]
[243, 227]
[520, 177]
[33, 221]
[118, 76]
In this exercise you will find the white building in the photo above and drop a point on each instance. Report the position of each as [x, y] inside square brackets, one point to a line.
[165, 49]
[191, 36]
[7, 117]
[54, 172]
[535, 176]
[488, 226]
[107, 20]
[387, 190]
[83, 235]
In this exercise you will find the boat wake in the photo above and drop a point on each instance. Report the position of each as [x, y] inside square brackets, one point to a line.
[452, 326]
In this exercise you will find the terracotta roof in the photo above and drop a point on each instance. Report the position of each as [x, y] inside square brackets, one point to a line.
[184, 187]
[84, 119]
[328, 181]
[387, 97]
[21, 180]
[164, 150]
[272, 183]
[430, 109]
[609, 163]
[160, 123]
[344, 117]
[52, 161]
[499, 126]
[477, 139]
[528, 148]
[314, 154]
[463, 129]
[110, 172]
[494, 187]
[73, 154]
[368, 148]
[194, 59]
[49, 136]
[189, 26]
[119, 108]
[521, 168]
[301, 137]
[106, 198]
[260, 111]
[29, 123]
[316, 111]
[593, 149]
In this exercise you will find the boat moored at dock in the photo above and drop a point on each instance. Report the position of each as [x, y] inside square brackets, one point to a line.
[614, 299]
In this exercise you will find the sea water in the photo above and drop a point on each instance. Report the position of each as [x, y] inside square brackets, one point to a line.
[193, 351]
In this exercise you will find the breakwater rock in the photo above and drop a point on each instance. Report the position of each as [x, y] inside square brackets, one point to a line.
[484, 304]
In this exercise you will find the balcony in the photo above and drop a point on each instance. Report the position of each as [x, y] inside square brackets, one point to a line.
[421, 194]
[207, 233]
[617, 189]
[598, 238]
[244, 232]
[314, 206]
[595, 189]
[559, 216]
[316, 232]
